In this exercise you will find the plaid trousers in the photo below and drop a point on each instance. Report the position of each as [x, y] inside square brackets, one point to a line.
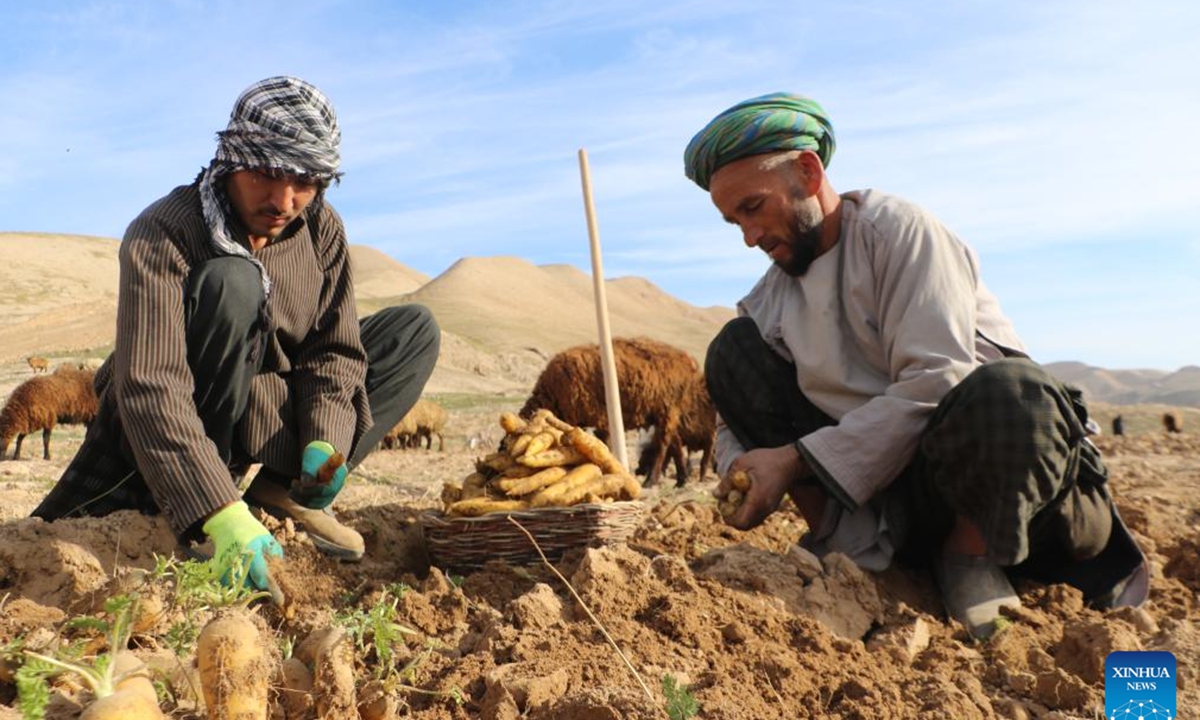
[1006, 449]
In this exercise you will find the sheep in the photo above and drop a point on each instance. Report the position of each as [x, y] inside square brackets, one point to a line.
[653, 378]
[423, 421]
[697, 427]
[401, 435]
[431, 422]
[696, 423]
[65, 396]
[1118, 425]
[80, 404]
[1173, 421]
[39, 364]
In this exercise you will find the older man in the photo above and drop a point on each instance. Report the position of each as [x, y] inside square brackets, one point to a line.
[872, 377]
[238, 342]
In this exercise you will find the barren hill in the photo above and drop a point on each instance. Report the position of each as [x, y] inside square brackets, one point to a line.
[510, 304]
[57, 292]
[501, 317]
[378, 278]
[1129, 387]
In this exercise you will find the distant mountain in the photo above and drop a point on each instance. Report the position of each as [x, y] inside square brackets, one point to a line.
[502, 318]
[378, 278]
[58, 293]
[506, 303]
[1132, 387]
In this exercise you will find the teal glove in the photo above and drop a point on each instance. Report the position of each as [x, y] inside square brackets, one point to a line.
[322, 476]
[236, 532]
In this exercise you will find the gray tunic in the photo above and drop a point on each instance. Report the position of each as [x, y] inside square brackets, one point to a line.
[880, 328]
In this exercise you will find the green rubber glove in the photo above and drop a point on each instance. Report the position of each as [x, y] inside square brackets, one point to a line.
[236, 532]
[322, 476]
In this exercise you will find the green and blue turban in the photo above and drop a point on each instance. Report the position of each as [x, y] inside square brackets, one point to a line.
[770, 123]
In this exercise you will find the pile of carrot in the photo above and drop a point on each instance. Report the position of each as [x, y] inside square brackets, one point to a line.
[542, 462]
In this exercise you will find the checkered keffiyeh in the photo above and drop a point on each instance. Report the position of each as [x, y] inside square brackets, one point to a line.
[282, 124]
[769, 123]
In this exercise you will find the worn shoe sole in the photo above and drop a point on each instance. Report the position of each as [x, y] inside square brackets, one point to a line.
[341, 552]
[330, 536]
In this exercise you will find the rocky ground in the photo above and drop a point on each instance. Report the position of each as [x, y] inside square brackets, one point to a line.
[750, 625]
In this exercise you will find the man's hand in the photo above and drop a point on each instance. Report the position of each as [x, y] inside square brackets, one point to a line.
[773, 471]
[322, 476]
[236, 533]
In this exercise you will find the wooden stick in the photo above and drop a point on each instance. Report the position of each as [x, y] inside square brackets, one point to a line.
[612, 393]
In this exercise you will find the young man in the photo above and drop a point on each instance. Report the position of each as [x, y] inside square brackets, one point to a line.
[238, 342]
[872, 377]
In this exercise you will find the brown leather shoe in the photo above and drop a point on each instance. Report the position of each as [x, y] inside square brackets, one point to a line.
[329, 535]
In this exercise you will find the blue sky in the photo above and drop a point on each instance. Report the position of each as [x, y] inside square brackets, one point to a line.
[1059, 139]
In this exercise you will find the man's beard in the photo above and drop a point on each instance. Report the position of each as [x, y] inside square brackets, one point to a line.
[804, 237]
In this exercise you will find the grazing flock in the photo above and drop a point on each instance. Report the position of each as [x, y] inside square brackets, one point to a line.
[661, 391]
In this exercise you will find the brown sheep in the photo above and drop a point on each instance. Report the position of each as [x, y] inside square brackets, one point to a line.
[653, 378]
[79, 405]
[400, 436]
[66, 396]
[696, 422]
[39, 364]
[1173, 421]
[432, 421]
[697, 426]
[423, 421]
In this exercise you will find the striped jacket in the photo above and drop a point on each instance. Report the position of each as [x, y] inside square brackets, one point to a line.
[147, 448]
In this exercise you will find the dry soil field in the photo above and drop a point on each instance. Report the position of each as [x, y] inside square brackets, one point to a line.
[751, 626]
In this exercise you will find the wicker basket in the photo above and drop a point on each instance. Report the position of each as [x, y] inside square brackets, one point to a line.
[469, 543]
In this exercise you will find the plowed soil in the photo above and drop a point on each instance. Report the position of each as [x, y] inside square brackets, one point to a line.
[753, 626]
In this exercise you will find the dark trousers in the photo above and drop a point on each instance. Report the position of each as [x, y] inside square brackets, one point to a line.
[226, 333]
[227, 324]
[1005, 450]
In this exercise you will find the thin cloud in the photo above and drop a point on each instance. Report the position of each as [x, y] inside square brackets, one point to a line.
[1031, 130]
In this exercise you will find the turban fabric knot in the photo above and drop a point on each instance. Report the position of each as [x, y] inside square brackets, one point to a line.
[770, 123]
